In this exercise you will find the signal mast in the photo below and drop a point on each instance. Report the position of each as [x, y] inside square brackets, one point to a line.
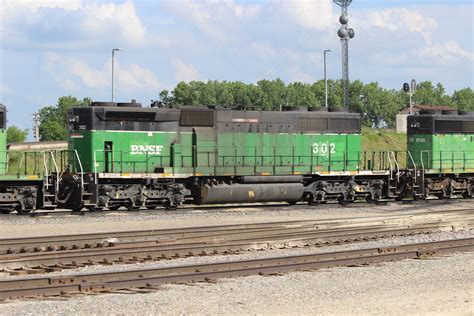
[345, 33]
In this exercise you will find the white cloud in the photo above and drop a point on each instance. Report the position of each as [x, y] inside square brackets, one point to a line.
[90, 19]
[398, 19]
[185, 72]
[310, 14]
[211, 16]
[263, 50]
[104, 18]
[445, 52]
[4, 90]
[70, 72]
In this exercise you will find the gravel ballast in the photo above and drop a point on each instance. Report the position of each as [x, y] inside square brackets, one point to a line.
[399, 288]
[439, 286]
[22, 226]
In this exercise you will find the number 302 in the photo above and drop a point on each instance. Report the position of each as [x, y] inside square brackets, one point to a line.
[323, 148]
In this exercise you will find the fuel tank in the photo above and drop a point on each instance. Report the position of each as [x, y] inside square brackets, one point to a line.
[250, 193]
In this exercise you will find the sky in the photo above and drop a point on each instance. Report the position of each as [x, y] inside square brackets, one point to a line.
[52, 48]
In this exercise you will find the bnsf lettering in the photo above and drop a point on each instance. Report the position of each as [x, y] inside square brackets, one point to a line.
[146, 149]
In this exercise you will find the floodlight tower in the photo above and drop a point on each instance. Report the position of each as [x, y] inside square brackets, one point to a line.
[345, 33]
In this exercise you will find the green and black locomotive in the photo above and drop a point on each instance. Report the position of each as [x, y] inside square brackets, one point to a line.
[133, 156]
[126, 155]
[442, 145]
[25, 178]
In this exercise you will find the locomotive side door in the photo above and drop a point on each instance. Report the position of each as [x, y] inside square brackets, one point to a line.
[108, 157]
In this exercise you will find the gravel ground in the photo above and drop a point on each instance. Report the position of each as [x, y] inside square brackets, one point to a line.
[436, 286]
[385, 242]
[16, 226]
[409, 287]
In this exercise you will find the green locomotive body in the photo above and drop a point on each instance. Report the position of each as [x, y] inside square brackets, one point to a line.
[26, 183]
[124, 150]
[442, 145]
[241, 146]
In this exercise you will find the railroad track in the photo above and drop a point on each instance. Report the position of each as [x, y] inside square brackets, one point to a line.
[225, 208]
[151, 279]
[104, 239]
[31, 255]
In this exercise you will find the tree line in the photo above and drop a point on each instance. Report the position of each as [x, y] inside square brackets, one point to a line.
[377, 105]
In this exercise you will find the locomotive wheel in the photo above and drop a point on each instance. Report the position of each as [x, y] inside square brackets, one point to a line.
[95, 209]
[370, 200]
[6, 211]
[131, 207]
[342, 201]
[169, 206]
[23, 211]
[309, 198]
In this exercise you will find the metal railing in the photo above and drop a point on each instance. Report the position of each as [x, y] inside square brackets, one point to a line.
[231, 160]
[233, 157]
[447, 160]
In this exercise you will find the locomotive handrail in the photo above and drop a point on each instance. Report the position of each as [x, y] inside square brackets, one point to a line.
[413, 163]
[259, 159]
[57, 169]
[390, 163]
[45, 169]
[21, 162]
[453, 160]
[392, 153]
[80, 166]
[252, 156]
[95, 167]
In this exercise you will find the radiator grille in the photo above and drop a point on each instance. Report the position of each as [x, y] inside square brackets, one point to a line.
[197, 118]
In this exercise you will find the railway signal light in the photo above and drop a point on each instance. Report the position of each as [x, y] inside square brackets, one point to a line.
[406, 87]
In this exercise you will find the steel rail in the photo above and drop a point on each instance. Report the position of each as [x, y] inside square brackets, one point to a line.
[139, 251]
[151, 278]
[190, 207]
[92, 240]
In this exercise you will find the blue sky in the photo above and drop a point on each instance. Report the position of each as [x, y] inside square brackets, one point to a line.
[51, 48]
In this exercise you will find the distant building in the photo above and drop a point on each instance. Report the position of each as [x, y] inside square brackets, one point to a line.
[402, 117]
[417, 108]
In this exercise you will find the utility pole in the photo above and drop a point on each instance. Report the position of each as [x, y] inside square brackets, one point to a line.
[325, 79]
[36, 124]
[113, 55]
[345, 33]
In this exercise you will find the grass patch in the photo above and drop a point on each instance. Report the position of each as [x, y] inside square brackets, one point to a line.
[383, 140]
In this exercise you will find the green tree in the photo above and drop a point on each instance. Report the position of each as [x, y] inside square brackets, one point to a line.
[274, 94]
[300, 94]
[380, 106]
[53, 119]
[428, 94]
[16, 135]
[224, 96]
[182, 94]
[464, 99]
[165, 98]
